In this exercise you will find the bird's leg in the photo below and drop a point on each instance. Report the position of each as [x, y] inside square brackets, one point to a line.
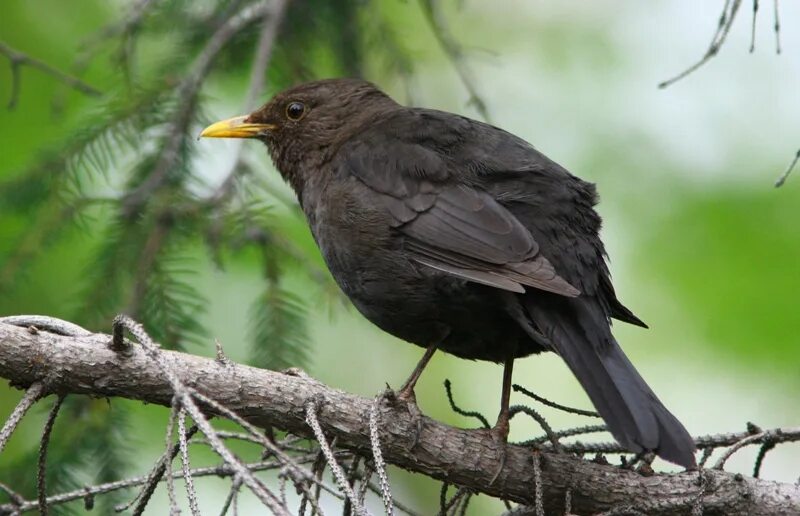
[406, 393]
[500, 428]
[499, 431]
[407, 390]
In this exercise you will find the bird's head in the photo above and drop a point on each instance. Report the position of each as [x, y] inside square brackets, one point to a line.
[303, 125]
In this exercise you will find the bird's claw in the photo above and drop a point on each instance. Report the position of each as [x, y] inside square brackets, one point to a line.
[499, 435]
[406, 397]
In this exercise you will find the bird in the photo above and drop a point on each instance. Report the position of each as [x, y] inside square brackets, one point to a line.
[455, 235]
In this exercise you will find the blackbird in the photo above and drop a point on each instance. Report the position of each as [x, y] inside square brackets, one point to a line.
[453, 234]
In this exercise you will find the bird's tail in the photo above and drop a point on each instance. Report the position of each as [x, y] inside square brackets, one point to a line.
[579, 331]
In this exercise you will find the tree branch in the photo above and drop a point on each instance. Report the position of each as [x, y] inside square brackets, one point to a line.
[19, 59]
[87, 364]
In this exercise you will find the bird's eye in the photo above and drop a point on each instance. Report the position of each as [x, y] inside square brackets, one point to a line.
[295, 110]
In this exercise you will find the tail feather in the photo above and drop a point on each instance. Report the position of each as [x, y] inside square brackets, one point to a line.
[579, 332]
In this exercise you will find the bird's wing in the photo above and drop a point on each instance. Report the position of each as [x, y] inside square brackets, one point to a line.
[450, 226]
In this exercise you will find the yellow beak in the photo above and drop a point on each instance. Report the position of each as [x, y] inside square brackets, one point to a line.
[235, 128]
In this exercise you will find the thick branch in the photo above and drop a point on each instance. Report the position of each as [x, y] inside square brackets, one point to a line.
[468, 458]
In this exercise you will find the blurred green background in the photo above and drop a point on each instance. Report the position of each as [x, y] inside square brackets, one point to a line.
[702, 246]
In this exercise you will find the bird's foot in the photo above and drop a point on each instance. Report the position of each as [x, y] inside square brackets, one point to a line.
[499, 435]
[406, 397]
[407, 394]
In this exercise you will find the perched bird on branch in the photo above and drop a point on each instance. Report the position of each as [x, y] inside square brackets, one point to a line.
[455, 235]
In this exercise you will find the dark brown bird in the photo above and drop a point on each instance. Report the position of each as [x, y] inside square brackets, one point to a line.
[453, 234]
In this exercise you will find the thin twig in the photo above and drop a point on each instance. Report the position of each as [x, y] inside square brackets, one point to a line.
[548, 430]
[445, 509]
[157, 473]
[377, 455]
[434, 16]
[545, 401]
[753, 27]
[569, 432]
[788, 171]
[174, 510]
[17, 500]
[781, 435]
[184, 394]
[191, 492]
[336, 469]
[568, 502]
[19, 59]
[41, 476]
[776, 436]
[298, 472]
[777, 29]
[32, 395]
[707, 452]
[538, 502]
[235, 486]
[458, 410]
[217, 471]
[762, 452]
[352, 475]
[726, 19]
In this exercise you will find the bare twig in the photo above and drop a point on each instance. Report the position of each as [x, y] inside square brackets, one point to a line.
[777, 27]
[545, 401]
[707, 452]
[445, 506]
[788, 170]
[157, 473]
[41, 476]
[397, 505]
[753, 27]
[458, 410]
[231, 499]
[762, 453]
[548, 430]
[432, 11]
[768, 436]
[726, 19]
[32, 395]
[17, 500]
[191, 492]
[168, 457]
[377, 455]
[330, 459]
[184, 395]
[217, 471]
[19, 59]
[569, 432]
[538, 504]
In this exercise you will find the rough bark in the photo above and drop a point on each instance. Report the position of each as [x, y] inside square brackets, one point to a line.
[469, 458]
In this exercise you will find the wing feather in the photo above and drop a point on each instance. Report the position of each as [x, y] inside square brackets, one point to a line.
[450, 226]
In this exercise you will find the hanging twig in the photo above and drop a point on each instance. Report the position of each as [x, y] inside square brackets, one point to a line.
[726, 19]
[330, 459]
[788, 171]
[41, 476]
